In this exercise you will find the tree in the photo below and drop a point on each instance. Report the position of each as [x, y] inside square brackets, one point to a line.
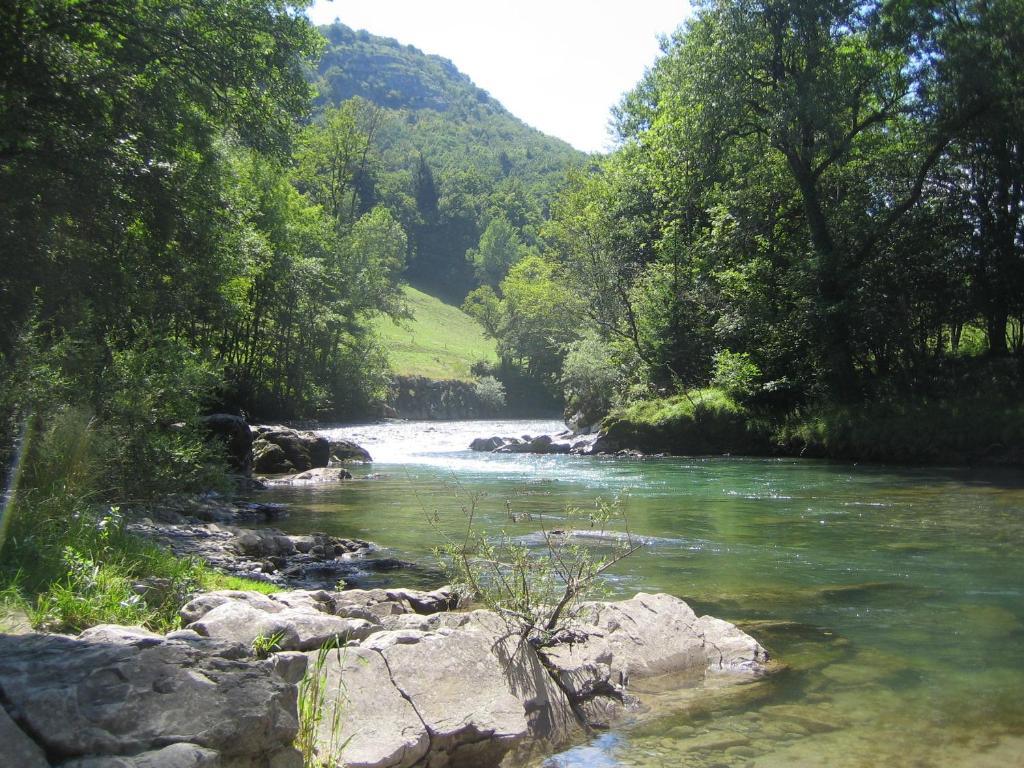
[109, 117]
[540, 318]
[334, 157]
[498, 250]
[817, 83]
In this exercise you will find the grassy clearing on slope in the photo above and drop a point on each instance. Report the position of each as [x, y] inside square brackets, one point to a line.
[440, 342]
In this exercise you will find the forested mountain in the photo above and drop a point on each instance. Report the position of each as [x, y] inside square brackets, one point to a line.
[450, 159]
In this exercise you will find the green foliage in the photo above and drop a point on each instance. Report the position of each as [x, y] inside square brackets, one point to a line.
[264, 645]
[108, 117]
[484, 306]
[491, 394]
[499, 249]
[539, 318]
[696, 422]
[589, 380]
[318, 706]
[735, 374]
[537, 592]
[833, 193]
[451, 159]
[69, 555]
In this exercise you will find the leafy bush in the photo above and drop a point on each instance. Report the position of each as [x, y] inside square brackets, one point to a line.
[589, 380]
[915, 431]
[70, 556]
[491, 394]
[735, 374]
[537, 592]
[699, 421]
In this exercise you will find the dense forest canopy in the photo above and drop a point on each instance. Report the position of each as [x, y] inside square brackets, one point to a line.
[208, 204]
[825, 195]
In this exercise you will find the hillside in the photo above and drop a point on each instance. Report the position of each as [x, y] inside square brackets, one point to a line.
[440, 342]
[450, 157]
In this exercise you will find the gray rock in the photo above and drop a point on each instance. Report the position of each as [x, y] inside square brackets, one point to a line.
[314, 629]
[198, 607]
[486, 444]
[407, 621]
[264, 542]
[312, 600]
[126, 696]
[345, 450]
[270, 458]
[279, 449]
[729, 649]
[442, 599]
[313, 476]
[369, 604]
[238, 622]
[115, 633]
[480, 693]
[646, 636]
[379, 728]
[296, 629]
[174, 756]
[290, 666]
[18, 749]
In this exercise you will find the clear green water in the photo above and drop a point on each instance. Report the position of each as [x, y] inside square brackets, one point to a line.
[893, 596]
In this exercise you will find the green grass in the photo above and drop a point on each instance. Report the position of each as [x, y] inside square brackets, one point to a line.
[670, 409]
[440, 342]
[67, 560]
[702, 421]
[911, 431]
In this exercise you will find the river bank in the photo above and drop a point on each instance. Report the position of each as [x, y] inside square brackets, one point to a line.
[411, 682]
[968, 431]
[893, 594]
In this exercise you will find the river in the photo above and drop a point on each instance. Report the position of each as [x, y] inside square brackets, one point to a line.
[892, 596]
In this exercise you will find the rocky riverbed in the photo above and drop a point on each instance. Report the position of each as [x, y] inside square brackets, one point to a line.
[221, 533]
[414, 683]
[408, 679]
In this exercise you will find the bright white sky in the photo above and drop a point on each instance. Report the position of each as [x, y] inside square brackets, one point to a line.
[560, 65]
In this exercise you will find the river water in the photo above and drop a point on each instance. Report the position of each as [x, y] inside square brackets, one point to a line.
[892, 596]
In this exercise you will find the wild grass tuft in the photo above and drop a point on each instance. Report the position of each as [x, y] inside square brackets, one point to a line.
[320, 707]
[68, 558]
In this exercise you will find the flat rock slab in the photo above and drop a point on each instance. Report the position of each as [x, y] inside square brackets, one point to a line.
[479, 693]
[174, 756]
[377, 726]
[293, 629]
[124, 692]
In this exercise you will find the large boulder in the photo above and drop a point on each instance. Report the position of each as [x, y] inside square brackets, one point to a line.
[346, 450]
[479, 692]
[174, 756]
[377, 725]
[278, 450]
[18, 748]
[646, 636]
[118, 694]
[292, 629]
[486, 444]
[236, 436]
[270, 459]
